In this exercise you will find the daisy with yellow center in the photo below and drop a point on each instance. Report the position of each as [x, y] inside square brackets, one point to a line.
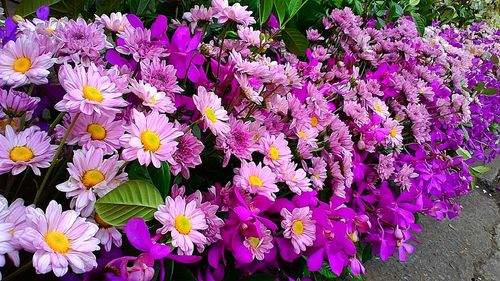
[256, 179]
[380, 108]
[151, 97]
[395, 136]
[64, 237]
[29, 148]
[151, 139]
[299, 228]
[184, 221]
[259, 246]
[214, 116]
[275, 149]
[91, 176]
[97, 131]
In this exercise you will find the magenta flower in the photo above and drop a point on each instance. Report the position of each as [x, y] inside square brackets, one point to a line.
[15, 103]
[184, 55]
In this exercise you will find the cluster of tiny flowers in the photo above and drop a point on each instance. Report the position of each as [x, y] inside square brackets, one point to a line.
[275, 159]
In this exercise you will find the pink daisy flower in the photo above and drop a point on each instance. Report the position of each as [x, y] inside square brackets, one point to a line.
[198, 14]
[29, 148]
[256, 179]
[5, 238]
[296, 179]
[88, 91]
[107, 234]
[90, 175]
[114, 22]
[162, 76]
[59, 239]
[16, 215]
[259, 247]
[97, 131]
[299, 228]
[22, 62]
[183, 221]
[395, 136]
[380, 108]
[214, 116]
[275, 150]
[239, 142]
[151, 97]
[318, 172]
[236, 13]
[150, 139]
[187, 154]
[138, 43]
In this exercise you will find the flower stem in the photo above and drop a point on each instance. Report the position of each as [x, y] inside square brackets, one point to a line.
[20, 270]
[56, 121]
[54, 160]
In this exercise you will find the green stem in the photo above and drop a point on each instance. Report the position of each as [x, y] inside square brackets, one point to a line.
[20, 185]
[13, 276]
[221, 47]
[54, 160]
[56, 121]
[10, 183]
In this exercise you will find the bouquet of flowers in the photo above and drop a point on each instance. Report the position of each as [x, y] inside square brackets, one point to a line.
[129, 148]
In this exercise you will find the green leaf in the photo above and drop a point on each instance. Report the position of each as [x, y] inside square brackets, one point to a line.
[294, 7]
[357, 7]
[414, 2]
[464, 153]
[132, 199]
[419, 22]
[489, 91]
[266, 6]
[67, 8]
[479, 170]
[494, 59]
[159, 177]
[142, 7]
[479, 86]
[196, 131]
[326, 271]
[295, 41]
[367, 253]
[280, 7]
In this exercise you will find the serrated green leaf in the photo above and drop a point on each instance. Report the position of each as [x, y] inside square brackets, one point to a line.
[132, 199]
[265, 8]
[294, 6]
[280, 7]
[295, 41]
[419, 22]
[464, 153]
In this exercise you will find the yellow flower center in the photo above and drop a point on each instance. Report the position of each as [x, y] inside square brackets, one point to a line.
[22, 64]
[314, 121]
[11, 231]
[57, 241]
[393, 132]
[298, 227]
[274, 153]
[378, 107]
[49, 29]
[21, 153]
[302, 135]
[150, 140]
[255, 181]
[153, 100]
[92, 93]
[182, 225]
[96, 131]
[316, 175]
[92, 177]
[210, 113]
[254, 242]
[120, 28]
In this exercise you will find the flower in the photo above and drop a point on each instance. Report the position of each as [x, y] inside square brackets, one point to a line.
[88, 91]
[151, 97]
[296, 179]
[59, 239]
[28, 148]
[197, 14]
[404, 175]
[256, 179]
[15, 103]
[150, 139]
[318, 172]
[259, 246]
[5, 238]
[107, 234]
[187, 154]
[214, 116]
[395, 136]
[16, 216]
[90, 175]
[22, 62]
[81, 42]
[236, 13]
[239, 142]
[97, 131]
[183, 221]
[275, 150]
[299, 227]
[138, 42]
[380, 108]
[114, 22]
[162, 76]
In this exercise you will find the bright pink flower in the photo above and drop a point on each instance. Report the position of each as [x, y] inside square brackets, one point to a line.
[275, 149]
[213, 114]
[299, 227]
[151, 97]
[235, 13]
[256, 179]
[187, 154]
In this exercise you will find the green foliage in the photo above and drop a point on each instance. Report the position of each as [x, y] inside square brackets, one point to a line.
[295, 41]
[159, 177]
[58, 8]
[132, 199]
[326, 271]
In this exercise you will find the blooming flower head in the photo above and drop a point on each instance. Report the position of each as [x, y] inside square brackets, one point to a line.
[90, 175]
[239, 142]
[299, 227]
[88, 91]
[16, 216]
[259, 247]
[275, 150]
[151, 97]
[213, 113]
[404, 175]
[318, 172]
[187, 154]
[15, 103]
[236, 13]
[107, 234]
[138, 43]
[296, 179]
[150, 139]
[28, 148]
[198, 14]
[161, 75]
[114, 22]
[256, 179]
[22, 62]
[380, 108]
[97, 131]
[395, 136]
[5, 238]
[183, 221]
[59, 239]
[81, 42]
